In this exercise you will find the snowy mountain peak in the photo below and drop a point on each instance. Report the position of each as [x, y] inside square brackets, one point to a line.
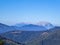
[46, 25]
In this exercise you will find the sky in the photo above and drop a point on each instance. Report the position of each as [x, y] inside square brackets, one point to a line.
[29, 11]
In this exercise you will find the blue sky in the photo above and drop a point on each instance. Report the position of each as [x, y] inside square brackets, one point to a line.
[31, 11]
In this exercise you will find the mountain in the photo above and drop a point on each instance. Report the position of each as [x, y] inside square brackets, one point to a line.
[55, 28]
[46, 25]
[20, 24]
[31, 27]
[5, 28]
[27, 27]
[53, 38]
[48, 37]
[22, 36]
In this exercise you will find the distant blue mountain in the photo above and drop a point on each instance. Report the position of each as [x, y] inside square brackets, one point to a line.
[36, 27]
[20, 24]
[5, 28]
[25, 27]
[31, 27]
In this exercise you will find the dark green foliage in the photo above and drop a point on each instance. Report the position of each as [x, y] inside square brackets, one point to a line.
[1, 42]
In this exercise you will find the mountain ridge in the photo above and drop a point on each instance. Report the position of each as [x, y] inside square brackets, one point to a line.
[28, 27]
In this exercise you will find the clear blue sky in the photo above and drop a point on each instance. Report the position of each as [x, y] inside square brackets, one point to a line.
[33, 11]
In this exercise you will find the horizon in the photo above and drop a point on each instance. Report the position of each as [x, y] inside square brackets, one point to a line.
[38, 23]
[29, 11]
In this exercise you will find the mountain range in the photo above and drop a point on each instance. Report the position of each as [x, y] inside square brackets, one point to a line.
[30, 34]
[5, 28]
[25, 27]
[48, 37]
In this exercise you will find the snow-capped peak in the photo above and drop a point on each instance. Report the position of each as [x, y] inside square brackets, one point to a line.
[46, 25]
